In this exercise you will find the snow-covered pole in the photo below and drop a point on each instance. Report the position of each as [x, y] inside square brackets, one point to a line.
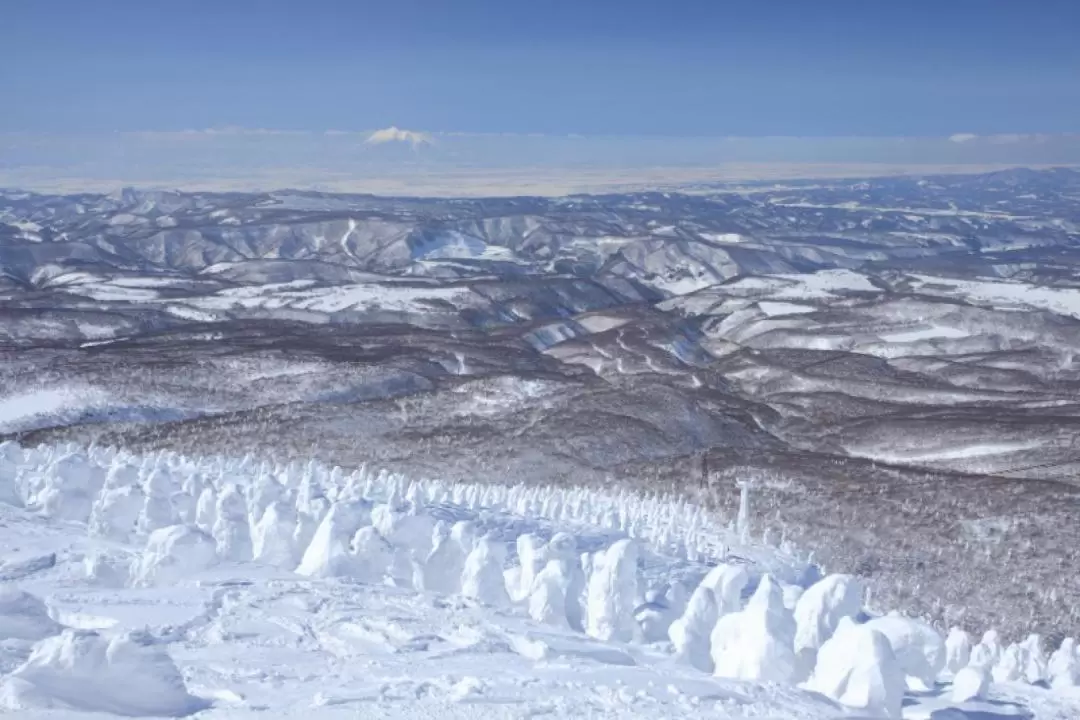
[742, 522]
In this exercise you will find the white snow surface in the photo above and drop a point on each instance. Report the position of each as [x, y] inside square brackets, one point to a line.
[394, 603]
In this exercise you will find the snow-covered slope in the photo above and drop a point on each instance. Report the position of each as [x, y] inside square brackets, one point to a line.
[161, 585]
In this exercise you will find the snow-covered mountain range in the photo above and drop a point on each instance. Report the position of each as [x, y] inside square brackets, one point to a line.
[891, 361]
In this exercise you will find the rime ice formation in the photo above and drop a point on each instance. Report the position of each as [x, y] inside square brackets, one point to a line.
[272, 537]
[547, 600]
[756, 643]
[206, 510]
[691, 634]
[116, 512]
[1063, 667]
[1010, 667]
[957, 651]
[988, 651]
[818, 613]
[445, 564]
[11, 457]
[482, 577]
[24, 616]
[232, 530]
[1034, 658]
[856, 667]
[86, 671]
[328, 554]
[611, 591]
[727, 582]
[531, 558]
[918, 647]
[371, 556]
[157, 511]
[69, 488]
[173, 554]
[970, 683]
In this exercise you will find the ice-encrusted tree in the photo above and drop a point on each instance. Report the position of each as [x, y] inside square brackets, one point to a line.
[856, 667]
[818, 613]
[957, 651]
[69, 486]
[173, 554]
[11, 460]
[1034, 659]
[206, 509]
[727, 581]
[563, 547]
[371, 556]
[691, 634]
[482, 576]
[157, 511]
[970, 683]
[1063, 668]
[444, 566]
[1010, 666]
[611, 593]
[547, 600]
[532, 559]
[116, 512]
[918, 647]
[328, 554]
[756, 643]
[272, 537]
[231, 528]
[987, 652]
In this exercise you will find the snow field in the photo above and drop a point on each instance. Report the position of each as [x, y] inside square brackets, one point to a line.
[621, 579]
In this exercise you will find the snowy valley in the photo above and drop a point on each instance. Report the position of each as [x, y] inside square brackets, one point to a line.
[298, 453]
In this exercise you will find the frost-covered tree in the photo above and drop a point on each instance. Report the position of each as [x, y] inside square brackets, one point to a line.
[970, 683]
[231, 529]
[1034, 659]
[818, 613]
[918, 647]
[328, 554]
[1064, 665]
[372, 556]
[206, 509]
[444, 566]
[756, 643]
[547, 599]
[690, 635]
[157, 511]
[272, 538]
[957, 651]
[987, 652]
[1010, 667]
[173, 554]
[531, 559]
[611, 593]
[482, 576]
[856, 667]
[727, 581]
[116, 512]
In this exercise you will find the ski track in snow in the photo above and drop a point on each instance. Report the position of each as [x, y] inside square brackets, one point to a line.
[258, 639]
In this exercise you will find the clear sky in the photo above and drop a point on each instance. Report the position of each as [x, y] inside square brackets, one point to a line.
[593, 67]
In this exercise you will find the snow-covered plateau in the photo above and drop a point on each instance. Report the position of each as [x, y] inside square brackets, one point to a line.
[154, 584]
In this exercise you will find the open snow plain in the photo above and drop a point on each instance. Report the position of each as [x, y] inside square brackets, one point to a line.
[890, 362]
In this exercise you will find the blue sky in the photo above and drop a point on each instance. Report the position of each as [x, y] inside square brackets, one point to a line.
[592, 67]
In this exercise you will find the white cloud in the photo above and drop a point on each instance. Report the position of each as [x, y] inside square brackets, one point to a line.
[394, 134]
[963, 137]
